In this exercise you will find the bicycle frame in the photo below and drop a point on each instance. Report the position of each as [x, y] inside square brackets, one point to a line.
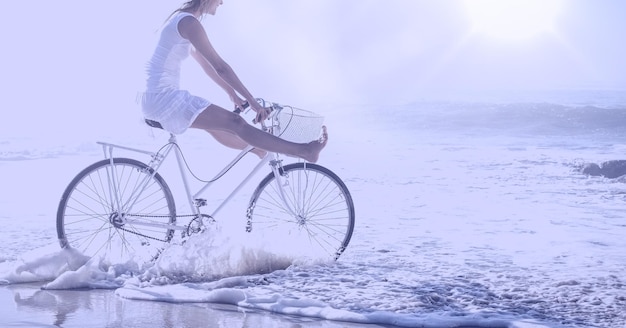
[195, 202]
[122, 205]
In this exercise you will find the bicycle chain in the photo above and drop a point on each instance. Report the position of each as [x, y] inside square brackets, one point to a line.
[153, 216]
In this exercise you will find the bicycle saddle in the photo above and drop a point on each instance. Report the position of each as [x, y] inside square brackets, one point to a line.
[153, 124]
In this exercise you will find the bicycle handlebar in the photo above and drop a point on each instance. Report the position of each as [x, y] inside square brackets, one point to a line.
[272, 107]
[238, 110]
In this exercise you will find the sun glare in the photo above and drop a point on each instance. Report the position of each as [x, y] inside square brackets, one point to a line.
[513, 20]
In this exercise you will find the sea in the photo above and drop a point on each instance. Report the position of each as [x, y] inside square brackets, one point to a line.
[469, 213]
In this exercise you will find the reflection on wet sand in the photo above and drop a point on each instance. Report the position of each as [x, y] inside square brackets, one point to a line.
[27, 305]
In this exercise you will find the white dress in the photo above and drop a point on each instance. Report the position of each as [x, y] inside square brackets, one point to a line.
[163, 101]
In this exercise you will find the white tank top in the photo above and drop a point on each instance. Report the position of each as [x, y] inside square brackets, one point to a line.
[164, 67]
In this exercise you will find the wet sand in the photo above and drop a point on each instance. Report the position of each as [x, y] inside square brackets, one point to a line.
[27, 305]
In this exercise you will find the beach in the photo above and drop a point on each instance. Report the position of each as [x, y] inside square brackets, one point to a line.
[477, 220]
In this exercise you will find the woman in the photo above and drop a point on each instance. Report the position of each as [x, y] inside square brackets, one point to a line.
[176, 110]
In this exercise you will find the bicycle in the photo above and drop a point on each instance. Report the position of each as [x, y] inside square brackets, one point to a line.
[121, 206]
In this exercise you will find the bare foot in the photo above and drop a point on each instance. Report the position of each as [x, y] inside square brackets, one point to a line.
[315, 147]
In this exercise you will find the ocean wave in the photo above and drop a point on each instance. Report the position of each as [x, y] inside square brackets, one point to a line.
[25, 149]
[511, 118]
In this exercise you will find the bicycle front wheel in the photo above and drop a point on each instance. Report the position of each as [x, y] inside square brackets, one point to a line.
[118, 211]
[311, 211]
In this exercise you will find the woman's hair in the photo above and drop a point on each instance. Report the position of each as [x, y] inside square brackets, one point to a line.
[191, 5]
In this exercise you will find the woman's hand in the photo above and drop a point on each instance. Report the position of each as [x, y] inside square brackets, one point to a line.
[238, 102]
[261, 112]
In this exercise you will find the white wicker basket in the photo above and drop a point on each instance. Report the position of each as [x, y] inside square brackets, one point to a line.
[297, 125]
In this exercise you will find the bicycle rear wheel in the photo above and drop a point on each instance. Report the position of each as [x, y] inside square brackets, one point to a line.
[118, 211]
[316, 217]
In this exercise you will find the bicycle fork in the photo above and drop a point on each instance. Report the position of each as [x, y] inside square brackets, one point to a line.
[277, 168]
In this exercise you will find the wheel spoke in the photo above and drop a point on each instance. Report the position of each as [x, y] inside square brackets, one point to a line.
[323, 209]
[88, 220]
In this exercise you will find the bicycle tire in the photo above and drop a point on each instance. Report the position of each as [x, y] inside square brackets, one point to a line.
[88, 219]
[323, 219]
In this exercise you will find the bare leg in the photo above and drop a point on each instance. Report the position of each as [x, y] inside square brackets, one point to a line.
[231, 140]
[217, 118]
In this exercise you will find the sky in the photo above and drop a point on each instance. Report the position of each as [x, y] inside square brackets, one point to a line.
[67, 64]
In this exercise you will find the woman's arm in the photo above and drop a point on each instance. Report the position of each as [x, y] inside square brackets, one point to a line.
[208, 69]
[191, 29]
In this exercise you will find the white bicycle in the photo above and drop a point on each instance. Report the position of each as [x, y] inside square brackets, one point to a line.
[123, 206]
